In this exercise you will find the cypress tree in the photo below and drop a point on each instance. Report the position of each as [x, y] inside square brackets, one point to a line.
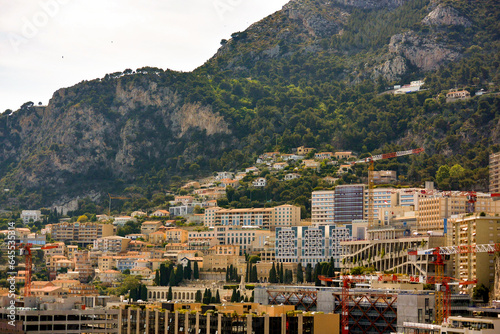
[272, 275]
[300, 274]
[179, 274]
[198, 297]
[163, 278]
[187, 270]
[170, 294]
[255, 277]
[196, 273]
[171, 281]
[217, 297]
[309, 273]
[281, 274]
[157, 277]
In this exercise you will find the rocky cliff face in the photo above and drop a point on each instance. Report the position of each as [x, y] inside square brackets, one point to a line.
[57, 144]
[444, 15]
[425, 53]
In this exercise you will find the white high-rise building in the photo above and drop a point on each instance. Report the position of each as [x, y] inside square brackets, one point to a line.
[322, 206]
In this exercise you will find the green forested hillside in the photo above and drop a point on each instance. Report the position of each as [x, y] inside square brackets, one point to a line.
[314, 74]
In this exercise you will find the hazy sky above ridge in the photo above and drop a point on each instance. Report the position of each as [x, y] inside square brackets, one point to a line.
[49, 44]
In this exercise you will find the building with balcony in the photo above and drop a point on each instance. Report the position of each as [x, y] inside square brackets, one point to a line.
[111, 244]
[471, 230]
[266, 218]
[81, 233]
[323, 206]
[494, 170]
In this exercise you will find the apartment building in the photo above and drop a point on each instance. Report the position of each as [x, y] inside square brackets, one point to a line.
[220, 257]
[111, 244]
[81, 233]
[266, 218]
[177, 235]
[149, 227]
[494, 169]
[323, 206]
[348, 203]
[247, 239]
[311, 244]
[33, 215]
[83, 266]
[383, 199]
[384, 176]
[471, 230]
[434, 211]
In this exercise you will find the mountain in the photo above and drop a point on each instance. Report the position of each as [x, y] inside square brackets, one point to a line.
[314, 73]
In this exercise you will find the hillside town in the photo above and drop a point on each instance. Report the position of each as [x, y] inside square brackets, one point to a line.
[365, 247]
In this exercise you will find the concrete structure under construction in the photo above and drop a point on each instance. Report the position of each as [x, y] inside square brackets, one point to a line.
[240, 319]
[61, 316]
[379, 310]
[390, 254]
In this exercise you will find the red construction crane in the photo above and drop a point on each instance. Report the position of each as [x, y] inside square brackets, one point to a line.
[346, 280]
[25, 249]
[443, 282]
[370, 161]
[472, 199]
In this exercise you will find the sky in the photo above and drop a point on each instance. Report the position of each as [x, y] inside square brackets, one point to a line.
[50, 44]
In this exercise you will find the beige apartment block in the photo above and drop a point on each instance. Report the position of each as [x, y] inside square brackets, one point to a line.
[433, 210]
[494, 168]
[112, 244]
[384, 176]
[322, 206]
[149, 227]
[176, 235]
[266, 218]
[471, 230]
[106, 263]
[222, 256]
[84, 233]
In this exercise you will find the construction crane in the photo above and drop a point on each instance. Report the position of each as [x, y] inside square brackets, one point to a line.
[442, 282]
[472, 199]
[25, 249]
[346, 281]
[114, 197]
[370, 160]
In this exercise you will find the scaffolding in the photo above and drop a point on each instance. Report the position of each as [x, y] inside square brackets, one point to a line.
[368, 312]
[301, 299]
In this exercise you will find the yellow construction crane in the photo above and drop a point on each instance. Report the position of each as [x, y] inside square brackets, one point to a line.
[370, 160]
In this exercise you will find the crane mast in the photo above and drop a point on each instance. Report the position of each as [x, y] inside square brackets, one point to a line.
[370, 160]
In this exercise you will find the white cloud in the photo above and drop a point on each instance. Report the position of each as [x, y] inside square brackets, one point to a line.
[49, 44]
